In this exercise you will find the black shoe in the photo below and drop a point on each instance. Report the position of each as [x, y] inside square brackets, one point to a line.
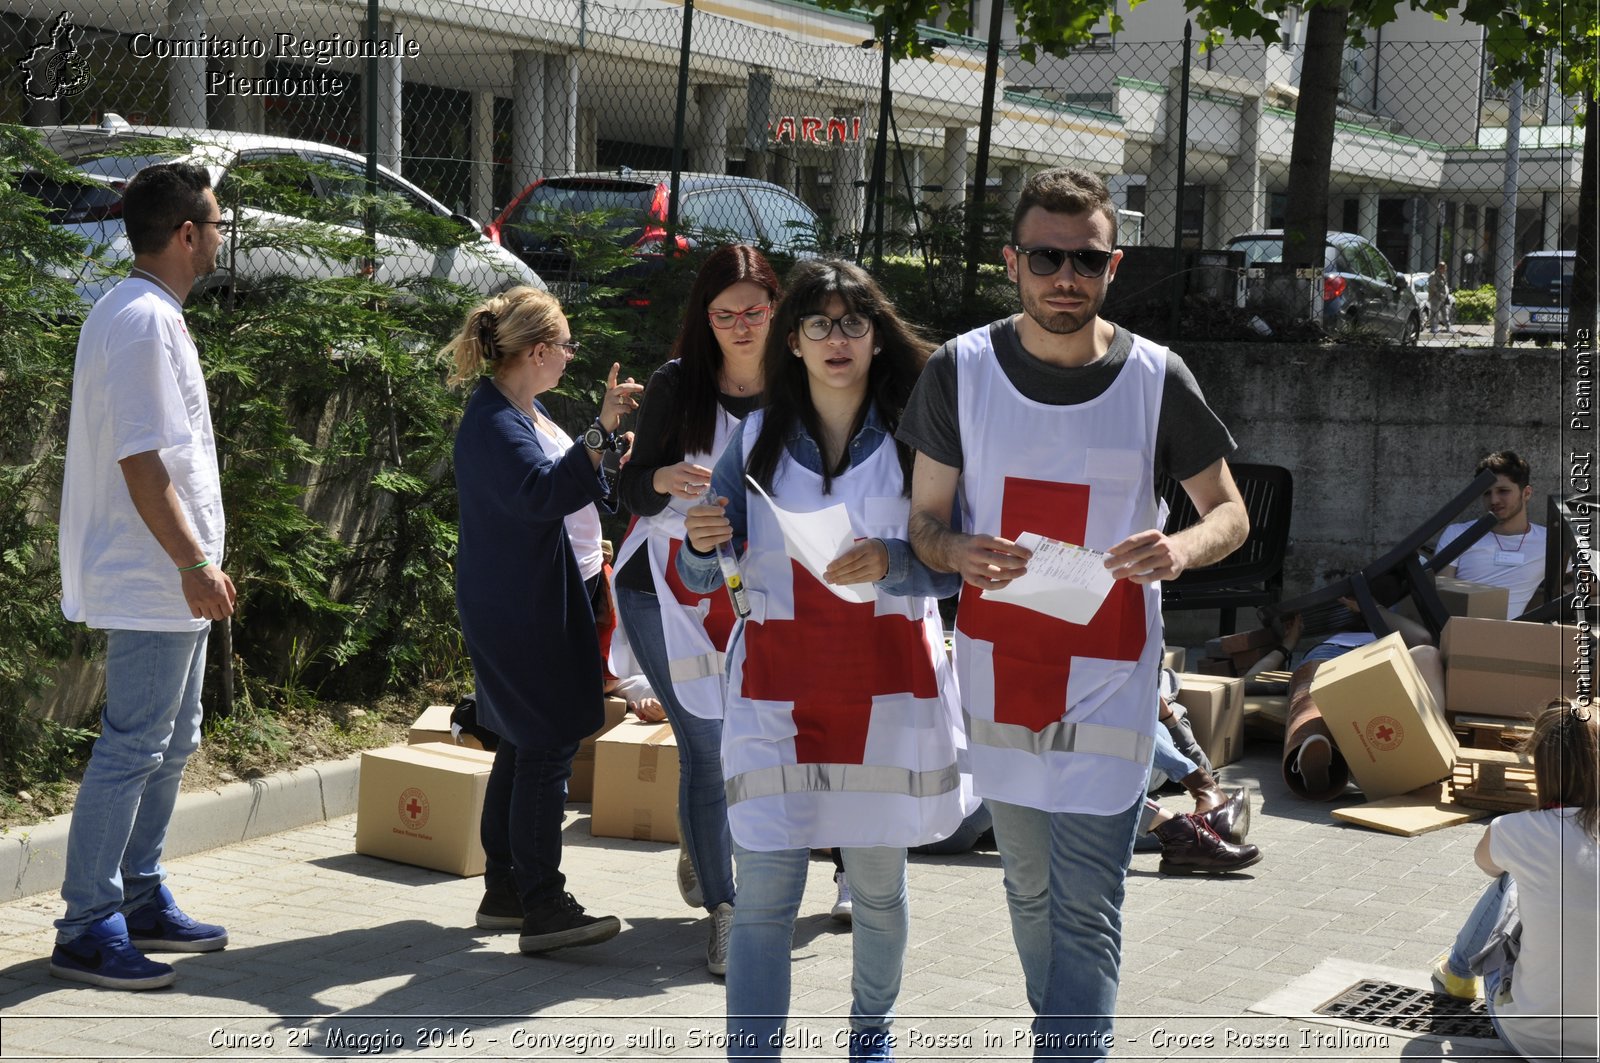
[1190, 846]
[561, 922]
[1231, 820]
[500, 909]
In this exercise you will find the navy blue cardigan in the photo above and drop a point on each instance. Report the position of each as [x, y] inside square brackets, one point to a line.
[524, 612]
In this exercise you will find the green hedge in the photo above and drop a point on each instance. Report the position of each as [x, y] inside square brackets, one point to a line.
[1475, 306]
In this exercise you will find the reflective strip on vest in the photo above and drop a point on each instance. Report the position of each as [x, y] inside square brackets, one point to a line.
[1062, 738]
[841, 778]
[688, 669]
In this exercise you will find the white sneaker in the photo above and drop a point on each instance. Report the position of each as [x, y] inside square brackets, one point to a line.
[717, 944]
[688, 881]
[843, 909]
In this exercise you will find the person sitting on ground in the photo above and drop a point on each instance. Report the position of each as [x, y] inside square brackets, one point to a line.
[1512, 554]
[1209, 840]
[1532, 934]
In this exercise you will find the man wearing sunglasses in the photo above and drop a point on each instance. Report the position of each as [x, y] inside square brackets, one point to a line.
[1058, 422]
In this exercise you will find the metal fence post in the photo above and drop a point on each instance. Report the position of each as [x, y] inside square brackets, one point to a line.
[1175, 310]
[679, 118]
[980, 177]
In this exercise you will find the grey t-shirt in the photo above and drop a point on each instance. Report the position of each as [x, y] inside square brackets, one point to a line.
[1189, 436]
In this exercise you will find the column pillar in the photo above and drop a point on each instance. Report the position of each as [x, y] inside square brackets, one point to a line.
[708, 134]
[588, 139]
[527, 119]
[952, 165]
[757, 112]
[244, 114]
[561, 113]
[1012, 178]
[481, 151]
[390, 89]
[848, 200]
[1367, 214]
[1242, 207]
[186, 77]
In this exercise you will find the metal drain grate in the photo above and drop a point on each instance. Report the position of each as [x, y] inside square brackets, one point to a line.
[1398, 1007]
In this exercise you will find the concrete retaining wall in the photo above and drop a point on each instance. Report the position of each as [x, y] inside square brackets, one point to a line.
[1377, 438]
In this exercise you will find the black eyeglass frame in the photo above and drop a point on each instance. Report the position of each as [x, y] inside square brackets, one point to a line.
[1087, 262]
[833, 322]
[218, 222]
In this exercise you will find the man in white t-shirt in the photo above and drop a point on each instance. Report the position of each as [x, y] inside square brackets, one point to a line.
[1512, 554]
[141, 545]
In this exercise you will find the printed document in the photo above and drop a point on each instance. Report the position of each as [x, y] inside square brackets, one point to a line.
[1064, 581]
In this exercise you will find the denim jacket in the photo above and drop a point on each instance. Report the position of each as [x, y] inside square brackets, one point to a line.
[907, 576]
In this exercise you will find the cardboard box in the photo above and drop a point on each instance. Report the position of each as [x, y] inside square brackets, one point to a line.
[1216, 715]
[636, 783]
[1504, 667]
[1173, 657]
[434, 726]
[580, 787]
[1463, 598]
[422, 805]
[1384, 719]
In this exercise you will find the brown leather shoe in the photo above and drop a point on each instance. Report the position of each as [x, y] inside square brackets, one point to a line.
[1204, 789]
[1231, 820]
[1190, 847]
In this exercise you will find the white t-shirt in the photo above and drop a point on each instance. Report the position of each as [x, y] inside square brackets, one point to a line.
[1515, 562]
[583, 527]
[1554, 865]
[136, 387]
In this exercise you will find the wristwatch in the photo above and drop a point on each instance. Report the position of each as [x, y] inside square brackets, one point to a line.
[598, 439]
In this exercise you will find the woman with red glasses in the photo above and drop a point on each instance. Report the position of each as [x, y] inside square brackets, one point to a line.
[692, 406]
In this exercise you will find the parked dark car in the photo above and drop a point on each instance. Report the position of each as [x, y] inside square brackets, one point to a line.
[1361, 292]
[1541, 286]
[742, 208]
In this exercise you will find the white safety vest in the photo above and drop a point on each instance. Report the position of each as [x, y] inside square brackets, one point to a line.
[843, 722]
[1060, 717]
[695, 627]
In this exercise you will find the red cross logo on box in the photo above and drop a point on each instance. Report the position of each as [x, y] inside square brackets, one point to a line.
[414, 808]
[1033, 652]
[830, 661]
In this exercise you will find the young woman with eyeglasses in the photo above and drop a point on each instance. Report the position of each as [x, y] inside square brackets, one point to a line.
[525, 489]
[692, 406]
[842, 723]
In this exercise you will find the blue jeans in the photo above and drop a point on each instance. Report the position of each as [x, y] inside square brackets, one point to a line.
[1064, 879]
[702, 803]
[523, 806]
[1474, 935]
[770, 889]
[150, 725]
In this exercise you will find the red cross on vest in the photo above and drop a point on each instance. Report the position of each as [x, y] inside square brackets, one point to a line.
[830, 661]
[718, 622]
[1033, 652]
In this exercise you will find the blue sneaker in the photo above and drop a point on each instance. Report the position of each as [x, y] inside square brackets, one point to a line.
[161, 926]
[871, 1044]
[103, 956]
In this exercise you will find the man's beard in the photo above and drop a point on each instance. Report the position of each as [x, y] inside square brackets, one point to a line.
[1060, 322]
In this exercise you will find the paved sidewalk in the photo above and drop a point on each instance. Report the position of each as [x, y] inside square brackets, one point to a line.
[335, 955]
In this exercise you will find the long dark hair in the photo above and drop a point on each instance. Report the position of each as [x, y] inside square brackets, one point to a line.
[694, 430]
[893, 372]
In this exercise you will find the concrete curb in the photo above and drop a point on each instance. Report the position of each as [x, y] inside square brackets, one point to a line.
[33, 859]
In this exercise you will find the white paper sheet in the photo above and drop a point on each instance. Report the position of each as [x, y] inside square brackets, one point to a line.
[1064, 581]
[815, 539]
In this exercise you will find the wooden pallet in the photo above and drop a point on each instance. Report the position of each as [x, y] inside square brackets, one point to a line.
[1496, 779]
[1490, 732]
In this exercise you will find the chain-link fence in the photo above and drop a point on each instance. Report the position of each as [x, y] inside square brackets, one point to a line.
[491, 108]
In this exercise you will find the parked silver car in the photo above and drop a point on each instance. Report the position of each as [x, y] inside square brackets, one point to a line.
[93, 209]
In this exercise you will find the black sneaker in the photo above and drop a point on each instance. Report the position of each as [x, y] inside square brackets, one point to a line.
[501, 909]
[561, 922]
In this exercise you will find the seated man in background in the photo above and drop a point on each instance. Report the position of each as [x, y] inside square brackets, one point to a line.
[1512, 554]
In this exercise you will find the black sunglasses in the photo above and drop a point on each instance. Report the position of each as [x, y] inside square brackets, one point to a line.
[1047, 261]
[218, 222]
